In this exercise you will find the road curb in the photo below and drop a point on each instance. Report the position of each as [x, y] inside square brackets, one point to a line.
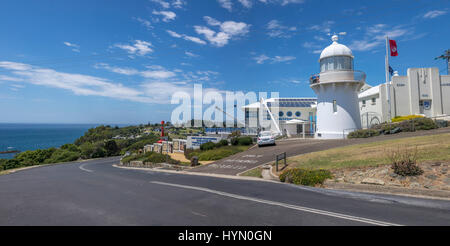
[377, 189]
[197, 174]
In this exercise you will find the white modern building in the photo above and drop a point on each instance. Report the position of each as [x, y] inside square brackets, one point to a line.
[294, 116]
[423, 91]
[337, 86]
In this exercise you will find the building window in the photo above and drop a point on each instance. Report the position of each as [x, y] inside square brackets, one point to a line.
[334, 106]
[298, 114]
[289, 114]
[374, 100]
[364, 103]
[281, 113]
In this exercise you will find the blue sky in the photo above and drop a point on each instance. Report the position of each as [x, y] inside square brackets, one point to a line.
[115, 61]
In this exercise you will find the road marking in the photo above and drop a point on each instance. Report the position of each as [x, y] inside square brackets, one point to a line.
[84, 169]
[285, 205]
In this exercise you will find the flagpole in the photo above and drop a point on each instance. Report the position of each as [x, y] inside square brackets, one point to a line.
[387, 80]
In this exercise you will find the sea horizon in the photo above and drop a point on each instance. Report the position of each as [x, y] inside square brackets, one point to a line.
[33, 136]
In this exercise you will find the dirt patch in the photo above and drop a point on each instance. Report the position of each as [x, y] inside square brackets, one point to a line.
[436, 176]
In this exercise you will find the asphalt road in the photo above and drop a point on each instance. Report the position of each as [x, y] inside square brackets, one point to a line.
[261, 155]
[97, 193]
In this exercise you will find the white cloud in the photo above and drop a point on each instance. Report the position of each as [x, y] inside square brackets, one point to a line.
[282, 2]
[228, 30]
[178, 4]
[75, 47]
[163, 4]
[261, 59]
[145, 23]
[194, 39]
[77, 83]
[325, 27]
[278, 59]
[434, 13]
[124, 71]
[167, 15]
[234, 28]
[226, 4]
[157, 91]
[154, 72]
[190, 54]
[276, 29]
[375, 36]
[246, 3]
[185, 37]
[139, 47]
[220, 39]
[8, 78]
[211, 21]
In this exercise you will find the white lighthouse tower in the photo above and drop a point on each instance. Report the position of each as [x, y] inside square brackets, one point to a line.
[337, 87]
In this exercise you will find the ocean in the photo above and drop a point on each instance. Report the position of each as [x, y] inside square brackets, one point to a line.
[24, 137]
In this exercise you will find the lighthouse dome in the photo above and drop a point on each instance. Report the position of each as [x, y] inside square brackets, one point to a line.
[336, 49]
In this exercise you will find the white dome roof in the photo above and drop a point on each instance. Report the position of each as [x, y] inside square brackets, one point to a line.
[336, 49]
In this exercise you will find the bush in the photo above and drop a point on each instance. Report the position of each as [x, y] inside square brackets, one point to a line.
[87, 150]
[234, 141]
[364, 133]
[404, 162]
[63, 155]
[407, 117]
[424, 124]
[245, 141]
[222, 142]
[305, 177]
[207, 146]
[71, 147]
[111, 148]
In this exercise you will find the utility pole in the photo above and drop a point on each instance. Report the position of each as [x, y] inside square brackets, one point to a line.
[445, 56]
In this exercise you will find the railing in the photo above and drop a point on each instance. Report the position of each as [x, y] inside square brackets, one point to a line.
[338, 76]
[279, 158]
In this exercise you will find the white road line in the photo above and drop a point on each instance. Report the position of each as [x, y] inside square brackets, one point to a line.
[285, 205]
[84, 169]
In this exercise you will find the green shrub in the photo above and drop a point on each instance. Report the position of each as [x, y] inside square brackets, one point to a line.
[424, 124]
[363, 133]
[222, 142]
[207, 146]
[71, 147]
[63, 155]
[234, 141]
[111, 148]
[305, 177]
[404, 161]
[245, 141]
[87, 150]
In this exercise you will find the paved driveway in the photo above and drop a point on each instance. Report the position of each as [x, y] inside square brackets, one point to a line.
[257, 156]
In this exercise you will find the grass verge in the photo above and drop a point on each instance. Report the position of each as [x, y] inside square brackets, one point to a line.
[430, 148]
[217, 153]
[256, 172]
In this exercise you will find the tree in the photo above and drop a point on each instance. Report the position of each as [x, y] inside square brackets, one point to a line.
[111, 148]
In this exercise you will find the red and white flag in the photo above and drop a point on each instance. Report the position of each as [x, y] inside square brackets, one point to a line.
[393, 45]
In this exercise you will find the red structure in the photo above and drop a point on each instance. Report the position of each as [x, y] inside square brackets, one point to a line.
[162, 132]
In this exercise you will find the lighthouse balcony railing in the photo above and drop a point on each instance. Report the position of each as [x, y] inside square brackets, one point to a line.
[338, 76]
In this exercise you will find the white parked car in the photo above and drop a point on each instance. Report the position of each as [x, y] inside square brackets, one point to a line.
[266, 138]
